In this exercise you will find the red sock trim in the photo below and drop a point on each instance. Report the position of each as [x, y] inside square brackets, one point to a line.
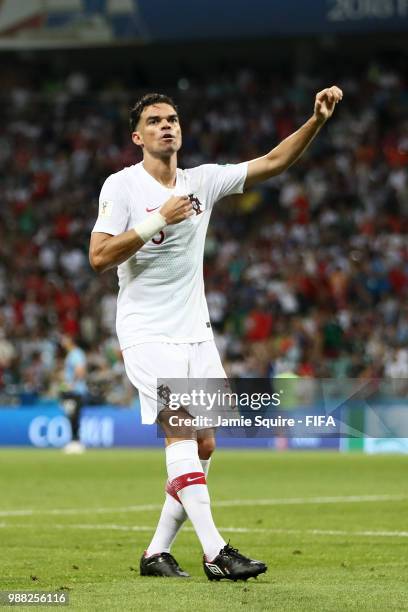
[186, 480]
[171, 491]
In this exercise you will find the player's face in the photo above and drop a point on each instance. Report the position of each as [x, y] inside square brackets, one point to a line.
[158, 130]
[65, 343]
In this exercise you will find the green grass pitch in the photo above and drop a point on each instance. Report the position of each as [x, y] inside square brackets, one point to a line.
[333, 529]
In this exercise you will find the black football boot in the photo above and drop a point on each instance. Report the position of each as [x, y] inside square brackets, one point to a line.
[162, 564]
[229, 564]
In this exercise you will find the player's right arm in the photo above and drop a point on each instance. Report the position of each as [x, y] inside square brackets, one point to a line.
[108, 251]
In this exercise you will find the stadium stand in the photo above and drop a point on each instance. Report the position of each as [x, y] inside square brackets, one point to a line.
[307, 273]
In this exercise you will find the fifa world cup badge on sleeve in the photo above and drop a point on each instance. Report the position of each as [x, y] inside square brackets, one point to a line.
[105, 208]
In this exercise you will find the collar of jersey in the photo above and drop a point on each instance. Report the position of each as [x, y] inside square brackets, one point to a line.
[158, 182]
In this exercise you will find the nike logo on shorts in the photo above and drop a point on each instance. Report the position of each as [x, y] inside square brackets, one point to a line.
[152, 209]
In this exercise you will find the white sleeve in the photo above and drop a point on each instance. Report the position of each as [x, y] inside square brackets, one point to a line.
[114, 207]
[225, 180]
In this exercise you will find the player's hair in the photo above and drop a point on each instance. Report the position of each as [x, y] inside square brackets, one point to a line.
[147, 100]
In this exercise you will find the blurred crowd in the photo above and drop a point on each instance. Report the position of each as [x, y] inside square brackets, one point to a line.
[306, 274]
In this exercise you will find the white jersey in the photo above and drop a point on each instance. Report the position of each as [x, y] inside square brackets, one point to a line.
[161, 288]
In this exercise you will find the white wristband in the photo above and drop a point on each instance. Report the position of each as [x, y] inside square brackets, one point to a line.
[150, 226]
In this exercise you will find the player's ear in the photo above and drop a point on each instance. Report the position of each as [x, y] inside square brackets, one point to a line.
[137, 139]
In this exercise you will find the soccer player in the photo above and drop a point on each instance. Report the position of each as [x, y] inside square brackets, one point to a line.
[75, 389]
[152, 223]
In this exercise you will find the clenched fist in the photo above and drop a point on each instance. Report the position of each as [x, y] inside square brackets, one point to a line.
[176, 209]
[326, 101]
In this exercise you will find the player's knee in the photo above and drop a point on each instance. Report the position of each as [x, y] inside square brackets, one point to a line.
[176, 425]
[206, 447]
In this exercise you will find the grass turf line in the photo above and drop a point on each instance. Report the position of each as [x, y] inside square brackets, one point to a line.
[306, 571]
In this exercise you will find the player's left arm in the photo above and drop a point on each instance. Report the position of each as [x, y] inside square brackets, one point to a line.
[289, 150]
[80, 368]
[80, 372]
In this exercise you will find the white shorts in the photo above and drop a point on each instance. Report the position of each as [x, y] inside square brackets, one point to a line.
[147, 363]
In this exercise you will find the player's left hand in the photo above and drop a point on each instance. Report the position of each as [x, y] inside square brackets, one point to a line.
[326, 101]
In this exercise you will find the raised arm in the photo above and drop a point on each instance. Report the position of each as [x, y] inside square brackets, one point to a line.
[107, 251]
[289, 150]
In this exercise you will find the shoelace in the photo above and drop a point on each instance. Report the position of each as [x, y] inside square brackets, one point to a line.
[171, 559]
[233, 552]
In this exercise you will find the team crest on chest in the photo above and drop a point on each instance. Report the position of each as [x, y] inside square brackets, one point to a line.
[196, 204]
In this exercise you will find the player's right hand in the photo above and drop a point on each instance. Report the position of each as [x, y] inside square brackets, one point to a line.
[176, 209]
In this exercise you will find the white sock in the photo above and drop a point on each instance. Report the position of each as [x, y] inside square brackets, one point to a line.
[182, 459]
[171, 520]
[205, 464]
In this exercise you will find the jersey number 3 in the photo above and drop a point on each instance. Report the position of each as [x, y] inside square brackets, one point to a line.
[159, 239]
